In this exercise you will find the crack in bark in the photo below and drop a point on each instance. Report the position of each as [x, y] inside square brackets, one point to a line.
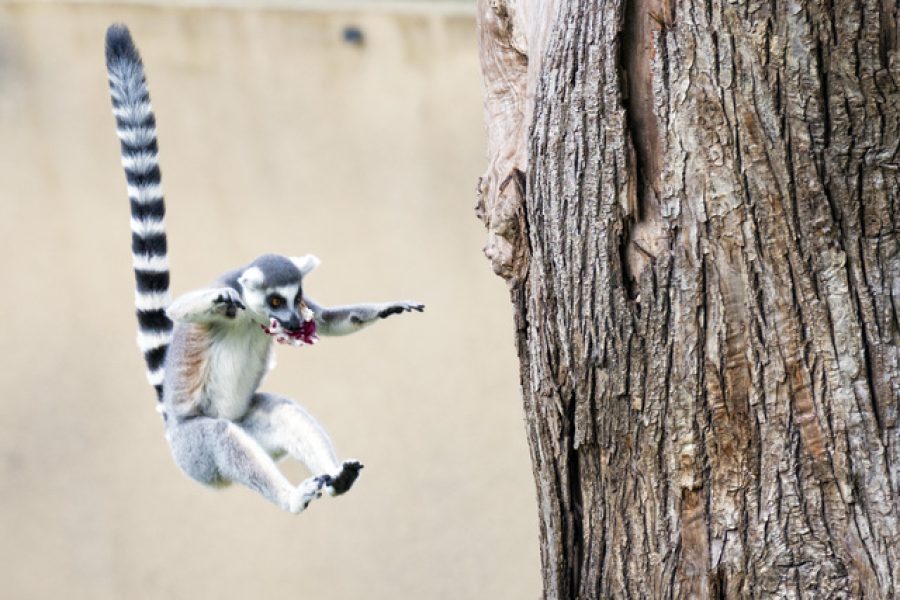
[635, 54]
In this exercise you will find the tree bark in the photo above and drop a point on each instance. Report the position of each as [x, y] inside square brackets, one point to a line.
[695, 206]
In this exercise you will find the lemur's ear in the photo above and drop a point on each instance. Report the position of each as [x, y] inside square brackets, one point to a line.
[305, 263]
[251, 279]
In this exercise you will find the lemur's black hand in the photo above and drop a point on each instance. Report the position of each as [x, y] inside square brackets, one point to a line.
[401, 307]
[228, 303]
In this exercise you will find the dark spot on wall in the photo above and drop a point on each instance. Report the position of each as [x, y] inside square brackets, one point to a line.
[353, 35]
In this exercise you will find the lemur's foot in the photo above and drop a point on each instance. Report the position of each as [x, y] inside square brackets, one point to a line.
[344, 480]
[228, 303]
[400, 307]
[308, 491]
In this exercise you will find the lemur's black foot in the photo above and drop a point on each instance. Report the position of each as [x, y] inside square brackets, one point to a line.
[346, 478]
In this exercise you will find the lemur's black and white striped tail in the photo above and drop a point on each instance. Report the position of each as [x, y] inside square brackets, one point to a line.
[136, 127]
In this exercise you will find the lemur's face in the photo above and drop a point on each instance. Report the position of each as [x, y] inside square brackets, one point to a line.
[272, 289]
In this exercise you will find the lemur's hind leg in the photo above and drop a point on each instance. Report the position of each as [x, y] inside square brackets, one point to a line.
[217, 452]
[281, 426]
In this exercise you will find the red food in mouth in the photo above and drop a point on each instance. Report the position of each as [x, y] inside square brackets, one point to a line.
[305, 334]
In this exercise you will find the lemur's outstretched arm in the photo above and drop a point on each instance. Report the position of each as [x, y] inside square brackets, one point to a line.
[207, 305]
[342, 320]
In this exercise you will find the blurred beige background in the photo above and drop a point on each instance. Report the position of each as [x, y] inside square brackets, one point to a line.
[275, 136]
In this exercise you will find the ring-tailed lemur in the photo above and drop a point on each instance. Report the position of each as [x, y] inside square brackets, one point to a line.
[207, 351]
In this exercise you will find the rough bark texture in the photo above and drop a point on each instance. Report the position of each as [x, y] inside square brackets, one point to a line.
[696, 205]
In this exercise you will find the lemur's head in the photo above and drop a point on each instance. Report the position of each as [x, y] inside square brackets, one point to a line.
[272, 289]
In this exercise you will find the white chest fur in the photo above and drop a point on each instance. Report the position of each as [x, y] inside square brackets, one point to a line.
[238, 358]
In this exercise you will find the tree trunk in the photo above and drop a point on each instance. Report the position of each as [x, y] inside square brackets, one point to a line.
[695, 206]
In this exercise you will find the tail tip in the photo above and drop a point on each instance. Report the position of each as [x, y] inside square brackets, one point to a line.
[119, 45]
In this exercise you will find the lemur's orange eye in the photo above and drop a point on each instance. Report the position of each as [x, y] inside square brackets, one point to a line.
[276, 301]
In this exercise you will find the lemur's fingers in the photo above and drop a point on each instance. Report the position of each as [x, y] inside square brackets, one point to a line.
[228, 302]
[400, 307]
[230, 297]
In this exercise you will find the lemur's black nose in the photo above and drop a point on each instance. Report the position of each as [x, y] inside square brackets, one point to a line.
[293, 323]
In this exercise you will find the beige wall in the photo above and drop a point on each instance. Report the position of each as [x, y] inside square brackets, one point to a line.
[275, 136]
